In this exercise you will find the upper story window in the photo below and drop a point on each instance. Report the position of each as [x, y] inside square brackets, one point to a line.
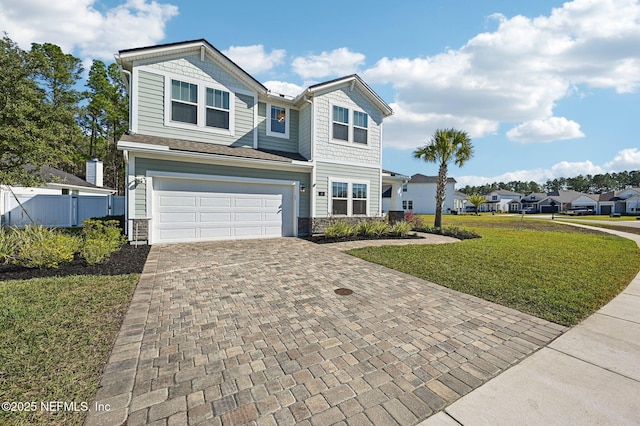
[277, 121]
[360, 127]
[340, 123]
[197, 105]
[217, 108]
[184, 102]
[349, 125]
[404, 187]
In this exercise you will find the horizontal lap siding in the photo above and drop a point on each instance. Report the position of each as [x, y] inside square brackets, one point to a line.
[271, 142]
[326, 171]
[151, 115]
[145, 164]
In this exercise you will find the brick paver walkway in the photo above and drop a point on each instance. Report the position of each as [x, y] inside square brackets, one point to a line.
[252, 332]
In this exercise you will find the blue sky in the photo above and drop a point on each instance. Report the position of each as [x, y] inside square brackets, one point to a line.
[545, 88]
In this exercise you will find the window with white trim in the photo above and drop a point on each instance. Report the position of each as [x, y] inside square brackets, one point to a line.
[349, 125]
[407, 205]
[277, 121]
[217, 108]
[340, 123]
[339, 198]
[349, 198]
[184, 102]
[360, 127]
[198, 105]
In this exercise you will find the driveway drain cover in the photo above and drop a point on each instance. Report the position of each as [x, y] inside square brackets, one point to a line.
[343, 291]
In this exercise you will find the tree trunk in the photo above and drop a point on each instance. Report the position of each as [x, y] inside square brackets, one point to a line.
[440, 194]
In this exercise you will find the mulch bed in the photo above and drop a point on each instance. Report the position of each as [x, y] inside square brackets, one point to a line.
[321, 239]
[129, 260]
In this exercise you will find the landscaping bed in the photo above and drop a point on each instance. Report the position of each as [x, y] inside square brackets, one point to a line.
[128, 260]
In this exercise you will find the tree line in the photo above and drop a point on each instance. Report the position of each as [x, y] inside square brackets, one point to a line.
[589, 184]
[48, 118]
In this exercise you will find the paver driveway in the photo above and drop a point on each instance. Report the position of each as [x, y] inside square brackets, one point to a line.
[251, 331]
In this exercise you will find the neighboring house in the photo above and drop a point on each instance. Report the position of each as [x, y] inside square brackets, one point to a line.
[212, 154]
[419, 195]
[65, 200]
[459, 202]
[624, 201]
[527, 203]
[498, 201]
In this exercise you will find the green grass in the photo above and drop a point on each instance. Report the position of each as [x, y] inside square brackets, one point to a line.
[550, 270]
[55, 337]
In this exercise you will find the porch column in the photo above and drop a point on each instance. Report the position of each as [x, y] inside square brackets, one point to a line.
[396, 196]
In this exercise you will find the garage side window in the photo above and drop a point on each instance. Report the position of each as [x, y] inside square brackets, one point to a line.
[184, 102]
[349, 198]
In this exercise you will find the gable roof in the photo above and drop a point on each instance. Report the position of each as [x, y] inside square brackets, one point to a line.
[61, 178]
[420, 178]
[505, 192]
[354, 80]
[126, 57]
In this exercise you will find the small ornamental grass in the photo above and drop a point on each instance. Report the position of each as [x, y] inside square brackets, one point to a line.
[400, 229]
[339, 230]
[8, 245]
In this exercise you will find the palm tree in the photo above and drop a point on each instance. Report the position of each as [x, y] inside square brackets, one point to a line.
[476, 200]
[445, 146]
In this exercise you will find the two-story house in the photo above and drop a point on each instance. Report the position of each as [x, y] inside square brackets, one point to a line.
[213, 154]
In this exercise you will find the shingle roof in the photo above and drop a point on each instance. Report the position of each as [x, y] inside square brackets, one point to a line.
[420, 178]
[211, 148]
[53, 175]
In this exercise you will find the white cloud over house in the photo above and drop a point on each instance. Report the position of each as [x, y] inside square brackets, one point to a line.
[516, 74]
[254, 59]
[80, 25]
[335, 63]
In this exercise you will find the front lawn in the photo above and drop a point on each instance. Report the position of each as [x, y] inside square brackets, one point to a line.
[55, 337]
[550, 270]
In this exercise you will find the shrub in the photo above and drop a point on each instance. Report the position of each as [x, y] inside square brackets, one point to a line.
[400, 229]
[371, 229]
[101, 239]
[39, 247]
[8, 246]
[339, 230]
[414, 221]
[452, 231]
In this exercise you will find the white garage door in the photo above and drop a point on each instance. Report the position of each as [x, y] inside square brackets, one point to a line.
[199, 210]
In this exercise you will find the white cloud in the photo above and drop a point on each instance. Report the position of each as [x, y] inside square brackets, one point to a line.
[338, 62]
[546, 130]
[254, 59]
[520, 71]
[78, 26]
[283, 88]
[627, 159]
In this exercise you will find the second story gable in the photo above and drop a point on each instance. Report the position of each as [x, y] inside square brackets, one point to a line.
[191, 91]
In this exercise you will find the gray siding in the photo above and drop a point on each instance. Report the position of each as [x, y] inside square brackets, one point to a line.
[327, 150]
[304, 142]
[146, 164]
[326, 171]
[271, 142]
[151, 115]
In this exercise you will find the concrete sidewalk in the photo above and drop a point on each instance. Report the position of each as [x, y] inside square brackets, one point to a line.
[589, 375]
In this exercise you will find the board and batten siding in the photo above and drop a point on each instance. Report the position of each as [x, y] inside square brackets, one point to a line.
[289, 144]
[143, 165]
[150, 90]
[326, 149]
[327, 171]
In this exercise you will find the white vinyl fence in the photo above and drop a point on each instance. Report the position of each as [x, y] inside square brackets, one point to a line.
[58, 210]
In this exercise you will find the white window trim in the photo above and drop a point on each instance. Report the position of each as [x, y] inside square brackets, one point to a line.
[349, 183]
[351, 125]
[202, 108]
[287, 112]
